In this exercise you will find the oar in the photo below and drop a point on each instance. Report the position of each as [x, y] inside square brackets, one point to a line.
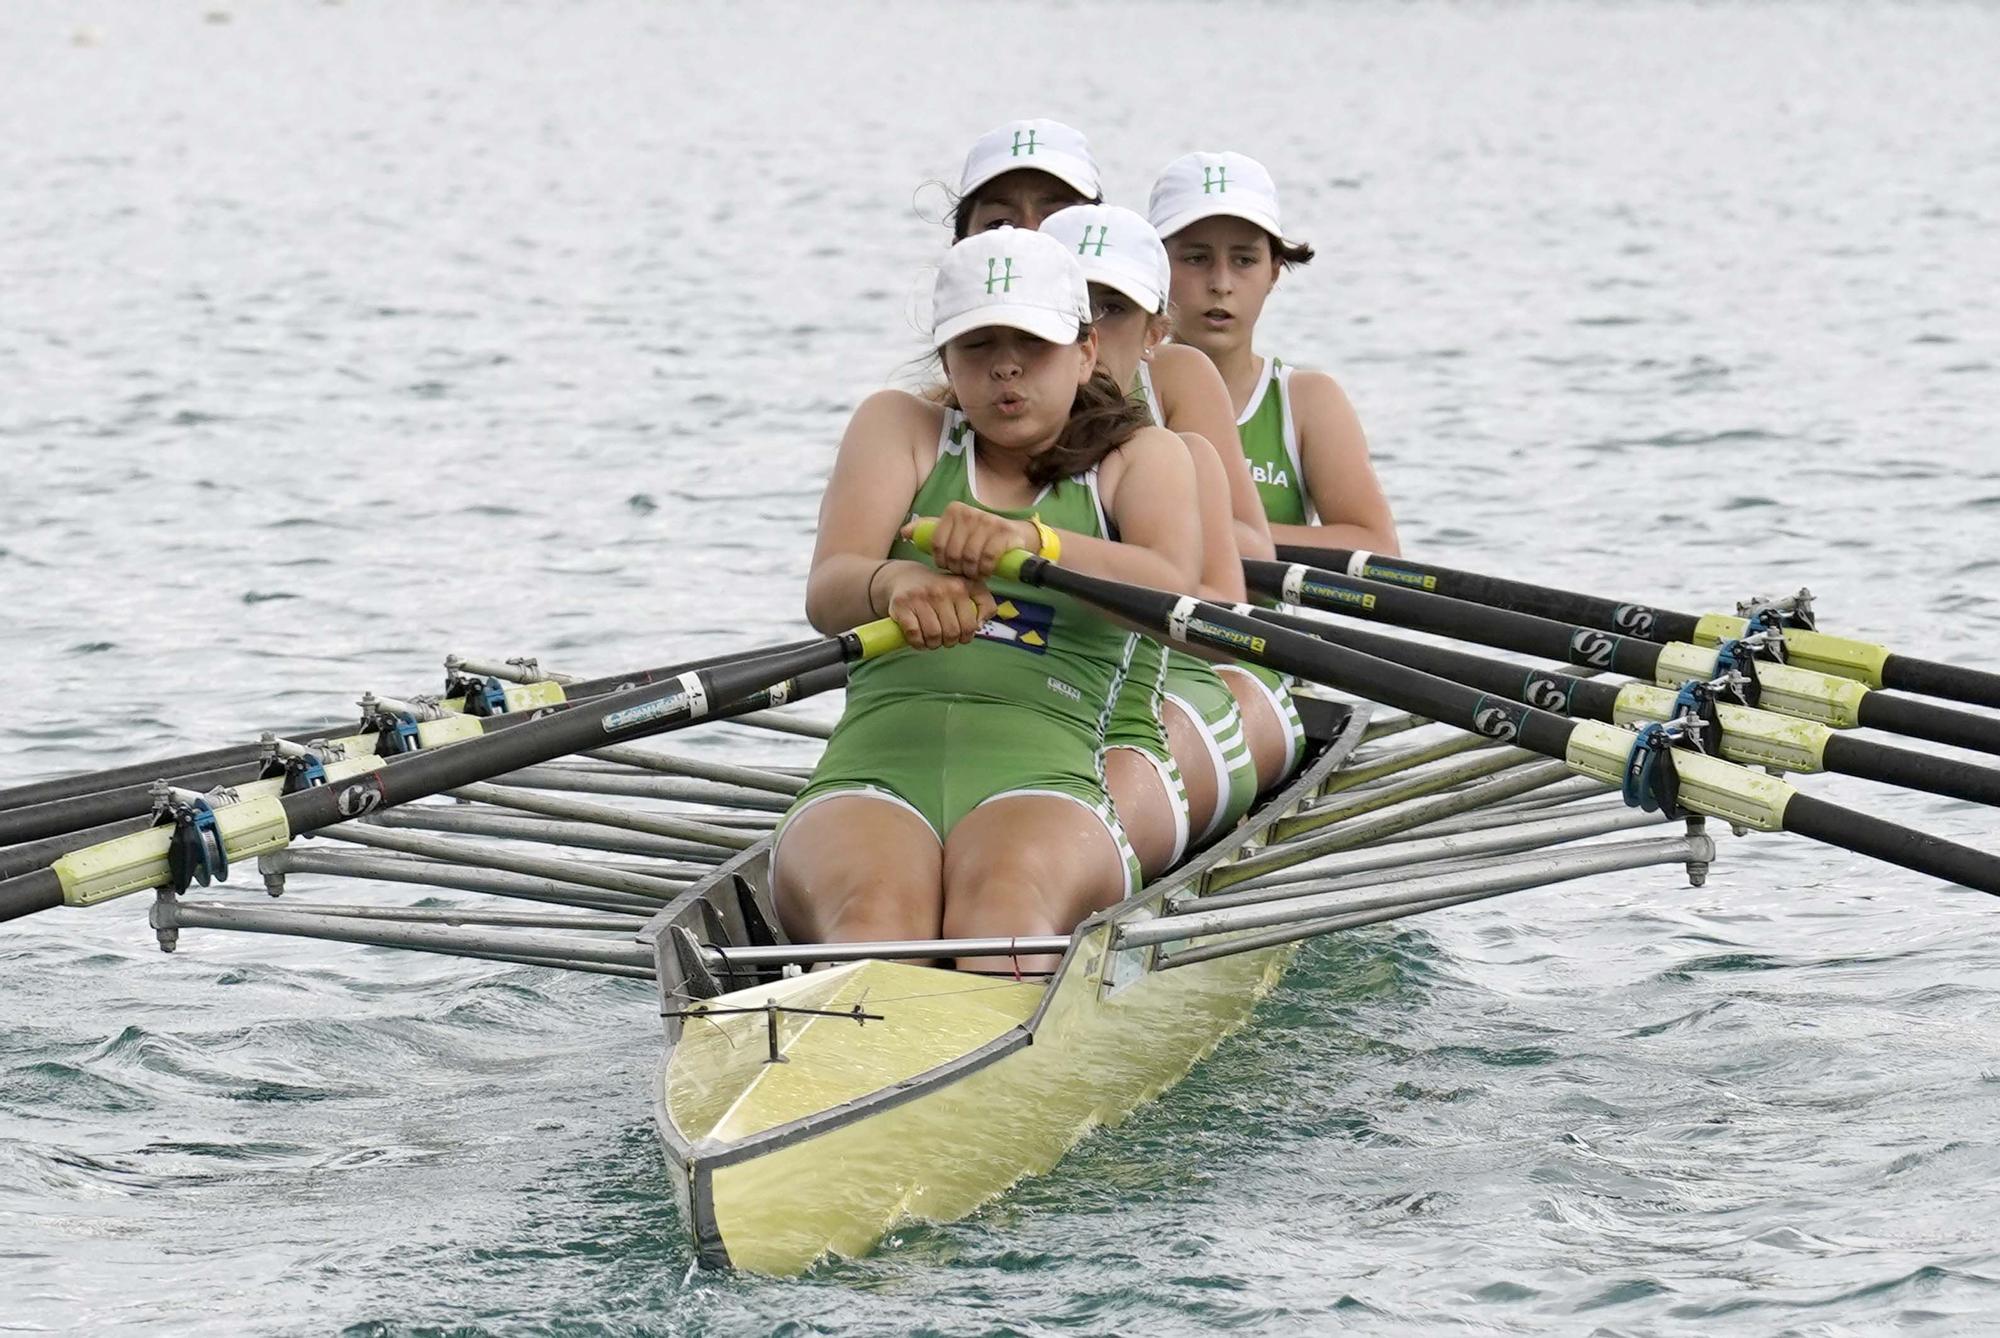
[146, 859]
[68, 804]
[1705, 785]
[1876, 666]
[235, 763]
[33, 855]
[1784, 688]
[1741, 734]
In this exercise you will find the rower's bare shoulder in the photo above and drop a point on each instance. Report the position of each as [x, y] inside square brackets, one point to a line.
[1316, 384]
[893, 409]
[1149, 441]
[1177, 367]
[893, 424]
[1321, 405]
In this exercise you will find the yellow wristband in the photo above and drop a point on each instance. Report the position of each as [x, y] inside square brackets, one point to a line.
[1051, 541]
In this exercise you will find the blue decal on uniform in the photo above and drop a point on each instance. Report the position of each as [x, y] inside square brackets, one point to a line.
[1022, 623]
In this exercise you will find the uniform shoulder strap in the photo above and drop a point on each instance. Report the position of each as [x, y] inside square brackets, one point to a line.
[1283, 376]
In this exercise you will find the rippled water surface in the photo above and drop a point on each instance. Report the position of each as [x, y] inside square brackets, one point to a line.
[335, 337]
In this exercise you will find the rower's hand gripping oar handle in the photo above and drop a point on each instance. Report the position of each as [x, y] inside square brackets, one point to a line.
[1011, 566]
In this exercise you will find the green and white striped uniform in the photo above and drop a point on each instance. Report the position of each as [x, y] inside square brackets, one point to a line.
[1193, 685]
[1270, 436]
[1135, 723]
[1020, 710]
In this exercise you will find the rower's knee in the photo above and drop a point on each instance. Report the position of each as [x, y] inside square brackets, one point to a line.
[848, 872]
[1264, 733]
[1144, 806]
[1188, 741]
[1029, 865]
[1003, 896]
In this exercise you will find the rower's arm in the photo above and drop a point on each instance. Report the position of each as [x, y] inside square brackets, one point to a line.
[1194, 398]
[1221, 566]
[1148, 488]
[1333, 453]
[867, 499]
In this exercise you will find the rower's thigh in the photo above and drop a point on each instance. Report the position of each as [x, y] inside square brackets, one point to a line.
[856, 868]
[1028, 864]
[1145, 808]
[1264, 732]
[1189, 744]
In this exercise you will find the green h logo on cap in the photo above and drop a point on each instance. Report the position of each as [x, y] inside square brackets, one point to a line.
[1018, 145]
[1103, 236]
[1214, 180]
[1005, 278]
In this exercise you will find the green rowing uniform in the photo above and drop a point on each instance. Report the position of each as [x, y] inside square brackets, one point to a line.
[1021, 709]
[1270, 437]
[1271, 444]
[1135, 716]
[1193, 685]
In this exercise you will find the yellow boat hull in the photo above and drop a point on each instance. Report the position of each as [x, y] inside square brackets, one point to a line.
[811, 1116]
[777, 1199]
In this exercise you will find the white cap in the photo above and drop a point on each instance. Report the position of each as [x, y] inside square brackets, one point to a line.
[1204, 185]
[1007, 276]
[1116, 248]
[1040, 145]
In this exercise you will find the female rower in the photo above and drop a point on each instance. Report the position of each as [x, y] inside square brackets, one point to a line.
[1019, 174]
[1176, 726]
[962, 792]
[1219, 215]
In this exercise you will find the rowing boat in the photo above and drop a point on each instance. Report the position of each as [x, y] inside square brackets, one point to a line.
[812, 1096]
[808, 1116]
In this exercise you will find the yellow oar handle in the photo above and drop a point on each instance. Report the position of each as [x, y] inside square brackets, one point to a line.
[1008, 567]
[878, 638]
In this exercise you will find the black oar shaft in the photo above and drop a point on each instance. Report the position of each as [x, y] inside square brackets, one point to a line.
[75, 806]
[1912, 770]
[1640, 620]
[1892, 843]
[1550, 689]
[1595, 699]
[618, 717]
[35, 854]
[192, 771]
[1538, 731]
[1527, 633]
[1925, 720]
[1545, 637]
[1900, 673]
[1906, 673]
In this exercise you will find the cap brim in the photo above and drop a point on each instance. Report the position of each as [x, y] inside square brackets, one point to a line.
[1072, 172]
[1167, 227]
[1041, 322]
[1149, 300]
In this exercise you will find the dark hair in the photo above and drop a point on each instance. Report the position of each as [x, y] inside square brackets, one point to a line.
[963, 205]
[1102, 418]
[1288, 254]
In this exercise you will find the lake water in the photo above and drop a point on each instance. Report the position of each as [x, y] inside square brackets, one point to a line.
[337, 337]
